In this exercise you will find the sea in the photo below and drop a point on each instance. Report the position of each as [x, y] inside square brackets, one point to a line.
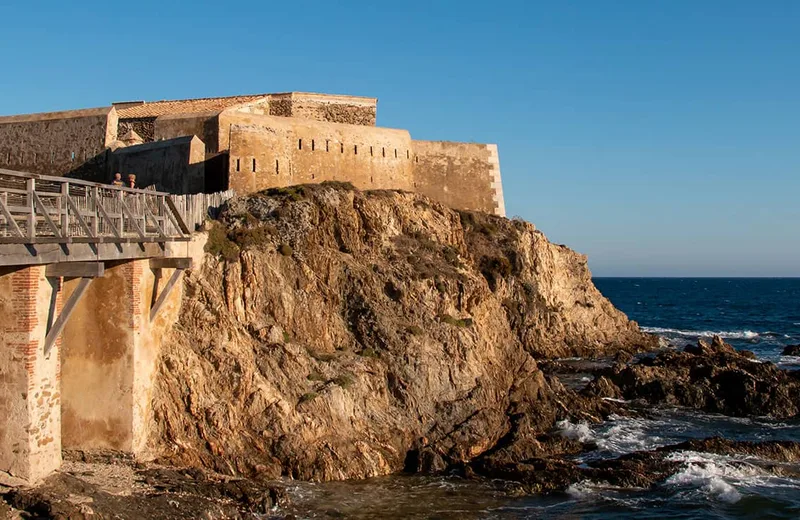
[758, 314]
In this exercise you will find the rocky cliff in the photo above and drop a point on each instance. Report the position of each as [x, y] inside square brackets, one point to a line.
[333, 333]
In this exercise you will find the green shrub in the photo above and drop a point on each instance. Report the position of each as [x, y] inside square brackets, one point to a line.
[293, 193]
[253, 236]
[368, 352]
[344, 380]
[308, 396]
[446, 318]
[219, 244]
[286, 337]
[339, 185]
[415, 330]
[315, 376]
[285, 250]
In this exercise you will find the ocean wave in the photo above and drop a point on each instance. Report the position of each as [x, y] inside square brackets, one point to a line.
[580, 432]
[715, 476]
[740, 334]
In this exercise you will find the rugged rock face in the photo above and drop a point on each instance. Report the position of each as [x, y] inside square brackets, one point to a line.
[344, 334]
[713, 377]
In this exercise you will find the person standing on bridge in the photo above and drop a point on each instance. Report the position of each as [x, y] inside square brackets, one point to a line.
[117, 180]
[131, 181]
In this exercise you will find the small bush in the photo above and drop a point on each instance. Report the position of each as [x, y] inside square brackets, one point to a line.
[344, 380]
[339, 185]
[293, 193]
[286, 337]
[308, 396]
[219, 244]
[368, 352]
[446, 318]
[315, 376]
[285, 250]
[415, 330]
[253, 236]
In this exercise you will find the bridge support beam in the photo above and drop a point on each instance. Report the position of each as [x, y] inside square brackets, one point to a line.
[30, 411]
[110, 348]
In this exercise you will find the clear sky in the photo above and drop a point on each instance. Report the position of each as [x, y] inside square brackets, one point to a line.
[660, 137]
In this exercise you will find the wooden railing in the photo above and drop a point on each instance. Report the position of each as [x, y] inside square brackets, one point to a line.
[38, 209]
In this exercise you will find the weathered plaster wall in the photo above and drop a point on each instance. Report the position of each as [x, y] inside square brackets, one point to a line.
[175, 165]
[273, 151]
[57, 143]
[110, 347]
[30, 430]
[461, 175]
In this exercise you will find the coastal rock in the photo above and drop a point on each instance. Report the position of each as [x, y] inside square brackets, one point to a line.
[791, 350]
[713, 377]
[410, 337]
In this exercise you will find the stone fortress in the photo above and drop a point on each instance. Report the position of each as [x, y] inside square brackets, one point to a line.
[249, 143]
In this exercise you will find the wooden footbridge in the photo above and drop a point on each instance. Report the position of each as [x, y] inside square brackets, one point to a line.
[81, 269]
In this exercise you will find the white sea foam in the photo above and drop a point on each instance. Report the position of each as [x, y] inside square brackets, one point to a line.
[716, 476]
[581, 489]
[580, 432]
[740, 334]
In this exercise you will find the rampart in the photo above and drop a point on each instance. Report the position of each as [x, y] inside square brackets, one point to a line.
[57, 143]
[461, 175]
[270, 151]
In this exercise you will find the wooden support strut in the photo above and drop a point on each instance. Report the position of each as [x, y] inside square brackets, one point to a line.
[164, 293]
[86, 271]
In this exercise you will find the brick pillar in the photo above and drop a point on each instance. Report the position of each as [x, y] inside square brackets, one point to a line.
[30, 401]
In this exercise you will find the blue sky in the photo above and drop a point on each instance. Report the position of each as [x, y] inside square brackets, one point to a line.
[659, 137]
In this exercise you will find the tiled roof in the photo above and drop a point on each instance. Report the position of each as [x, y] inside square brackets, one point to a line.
[182, 106]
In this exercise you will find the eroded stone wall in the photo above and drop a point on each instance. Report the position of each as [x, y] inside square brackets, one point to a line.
[272, 151]
[57, 143]
[205, 126]
[145, 127]
[461, 175]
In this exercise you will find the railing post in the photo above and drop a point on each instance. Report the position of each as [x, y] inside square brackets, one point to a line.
[4, 201]
[65, 210]
[121, 226]
[96, 216]
[31, 187]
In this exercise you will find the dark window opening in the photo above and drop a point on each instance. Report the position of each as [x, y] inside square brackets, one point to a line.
[313, 145]
[312, 176]
[277, 168]
[370, 151]
[327, 145]
[395, 153]
[416, 158]
[383, 151]
[342, 145]
[355, 149]
[254, 164]
[408, 154]
[299, 144]
[237, 165]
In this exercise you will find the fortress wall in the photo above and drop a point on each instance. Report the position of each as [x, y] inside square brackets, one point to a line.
[292, 151]
[203, 125]
[330, 108]
[57, 143]
[461, 175]
[174, 165]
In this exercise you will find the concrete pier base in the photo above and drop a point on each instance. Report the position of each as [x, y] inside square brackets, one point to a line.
[30, 400]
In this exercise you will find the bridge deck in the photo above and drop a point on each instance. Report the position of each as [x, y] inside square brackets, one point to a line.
[46, 219]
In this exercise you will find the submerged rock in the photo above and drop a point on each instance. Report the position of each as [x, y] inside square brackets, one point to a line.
[410, 334]
[713, 377]
[791, 350]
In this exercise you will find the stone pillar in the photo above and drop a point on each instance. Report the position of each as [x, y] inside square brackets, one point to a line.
[110, 350]
[30, 402]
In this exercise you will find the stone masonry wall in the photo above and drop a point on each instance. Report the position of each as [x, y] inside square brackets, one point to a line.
[175, 165]
[461, 175]
[273, 151]
[57, 143]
